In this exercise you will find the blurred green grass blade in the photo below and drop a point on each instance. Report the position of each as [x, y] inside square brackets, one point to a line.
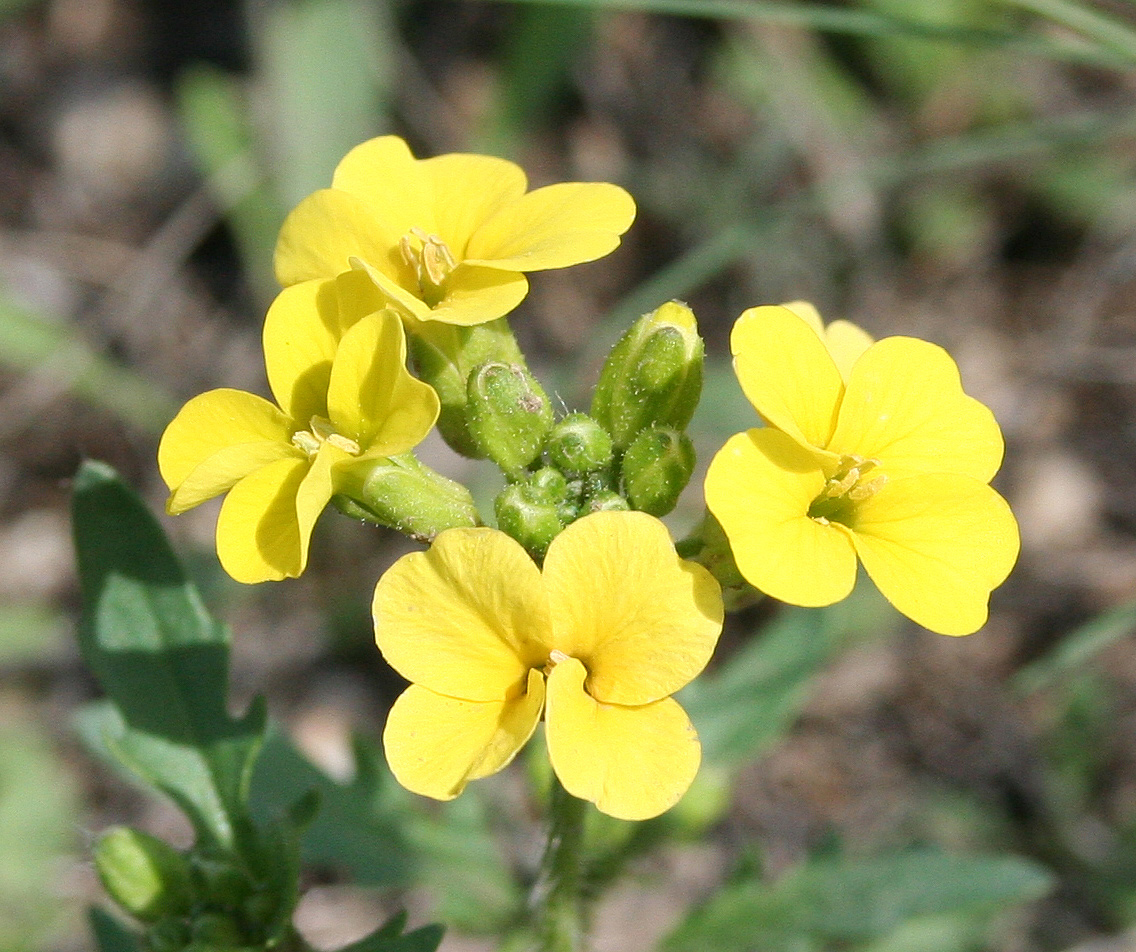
[38, 822]
[1106, 30]
[31, 343]
[327, 67]
[536, 69]
[161, 659]
[750, 702]
[833, 901]
[217, 123]
[28, 630]
[1077, 649]
[111, 935]
[862, 23]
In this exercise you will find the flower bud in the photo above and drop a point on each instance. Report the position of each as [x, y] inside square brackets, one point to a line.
[144, 875]
[401, 493]
[656, 468]
[445, 355]
[578, 445]
[508, 414]
[533, 524]
[546, 485]
[653, 376]
[605, 500]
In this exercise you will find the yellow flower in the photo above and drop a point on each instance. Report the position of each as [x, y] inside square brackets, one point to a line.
[345, 399]
[446, 238]
[599, 640]
[890, 466]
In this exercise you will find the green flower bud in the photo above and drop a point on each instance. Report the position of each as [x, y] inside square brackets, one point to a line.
[546, 485]
[656, 468]
[144, 875]
[445, 355]
[533, 524]
[508, 414]
[578, 445]
[404, 494]
[606, 500]
[653, 376]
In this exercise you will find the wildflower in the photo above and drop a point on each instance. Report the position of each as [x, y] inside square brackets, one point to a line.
[345, 401]
[447, 238]
[890, 468]
[599, 640]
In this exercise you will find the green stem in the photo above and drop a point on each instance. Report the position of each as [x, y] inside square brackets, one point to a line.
[558, 901]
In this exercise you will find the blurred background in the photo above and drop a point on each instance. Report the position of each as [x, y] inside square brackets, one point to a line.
[958, 170]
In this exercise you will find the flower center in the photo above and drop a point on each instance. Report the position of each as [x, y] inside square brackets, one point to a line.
[845, 488]
[320, 431]
[431, 260]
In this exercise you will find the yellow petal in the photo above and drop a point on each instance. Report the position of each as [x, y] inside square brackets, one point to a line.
[936, 546]
[553, 227]
[759, 487]
[468, 190]
[786, 373]
[436, 744]
[846, 342]
[385, 176]
[476, 295]
[216, 439]
[808, 313]
[315, 492]
[467, 618]
[326, 230]
[401, 292]
[300, 336]
[631, 762]
[643, 621]
[906, 408]
[258, 533]
[372, 398]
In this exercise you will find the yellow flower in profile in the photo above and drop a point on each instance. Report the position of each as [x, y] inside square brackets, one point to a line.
[890, 466]
[345, 399]
[614, 624]
[446, 238]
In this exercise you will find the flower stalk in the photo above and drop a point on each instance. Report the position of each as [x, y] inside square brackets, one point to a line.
[558, 906]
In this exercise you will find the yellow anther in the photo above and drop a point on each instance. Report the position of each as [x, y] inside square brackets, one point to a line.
[322, 431]
[429, 256]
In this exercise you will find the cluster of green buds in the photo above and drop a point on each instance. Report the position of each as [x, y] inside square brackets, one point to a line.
[630, 452]
[197, 901]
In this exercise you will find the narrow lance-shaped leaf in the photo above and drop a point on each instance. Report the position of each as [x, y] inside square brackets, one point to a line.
[161, 659]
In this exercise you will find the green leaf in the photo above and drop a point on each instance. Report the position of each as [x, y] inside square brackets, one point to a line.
[355, 827]
[162, 661]
[111, 935]
[390, 938]
[846, 899]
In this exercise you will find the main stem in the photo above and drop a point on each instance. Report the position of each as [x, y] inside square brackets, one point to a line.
[557, 897]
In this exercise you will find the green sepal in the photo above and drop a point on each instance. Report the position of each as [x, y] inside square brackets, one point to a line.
[653, 375]
[508, 414]
[656, 468]
[445, 355]
[400, 492]
[578, 445]
[145, 875]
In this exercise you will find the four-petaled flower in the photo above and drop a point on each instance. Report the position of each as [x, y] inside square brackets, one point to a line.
[345, 399]
[614, 624]
[446, 238]
[890, 465]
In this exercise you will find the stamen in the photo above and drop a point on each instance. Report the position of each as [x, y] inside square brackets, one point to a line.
[432, 261]
[322, 431]
[844, 488]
